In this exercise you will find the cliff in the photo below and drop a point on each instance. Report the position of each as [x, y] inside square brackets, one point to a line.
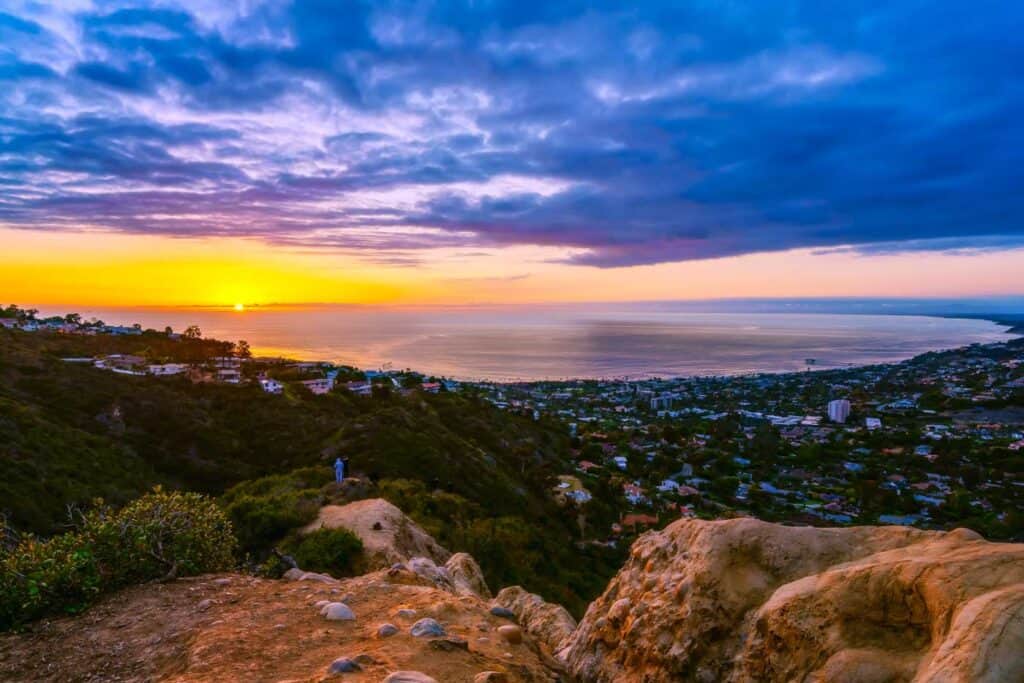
[744, 600]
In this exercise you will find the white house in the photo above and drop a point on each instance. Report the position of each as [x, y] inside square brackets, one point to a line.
[165, 369]
[319, 386]
[872, 423]
[271, 386]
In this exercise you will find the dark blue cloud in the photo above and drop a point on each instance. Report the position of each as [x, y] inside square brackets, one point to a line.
[629, 134]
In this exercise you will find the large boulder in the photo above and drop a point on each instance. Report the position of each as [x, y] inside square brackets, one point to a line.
[388, 536]
[548, 623]
[744, 600]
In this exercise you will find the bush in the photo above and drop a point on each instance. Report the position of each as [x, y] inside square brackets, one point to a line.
[262, 521]
[264, 510]
[161, 535]
[335, 551]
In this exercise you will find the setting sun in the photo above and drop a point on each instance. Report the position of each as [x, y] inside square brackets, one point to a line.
[239, 307]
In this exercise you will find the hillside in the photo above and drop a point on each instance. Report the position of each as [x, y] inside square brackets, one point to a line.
[472, 474]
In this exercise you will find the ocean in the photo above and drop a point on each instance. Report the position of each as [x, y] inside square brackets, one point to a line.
[521, 343]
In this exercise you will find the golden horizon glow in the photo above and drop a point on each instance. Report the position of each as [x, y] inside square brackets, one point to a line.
[110, 269]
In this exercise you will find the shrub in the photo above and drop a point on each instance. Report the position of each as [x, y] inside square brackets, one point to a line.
[161, 535]
[335, 551]
[264, 510]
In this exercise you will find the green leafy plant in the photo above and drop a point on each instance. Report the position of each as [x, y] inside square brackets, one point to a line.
[335, 551]
[159, 536]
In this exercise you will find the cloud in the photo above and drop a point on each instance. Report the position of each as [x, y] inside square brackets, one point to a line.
[662, 132]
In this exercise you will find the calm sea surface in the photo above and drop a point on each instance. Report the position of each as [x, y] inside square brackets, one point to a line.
[553, 342]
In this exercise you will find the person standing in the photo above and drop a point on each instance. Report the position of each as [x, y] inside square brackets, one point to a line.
[339, 470]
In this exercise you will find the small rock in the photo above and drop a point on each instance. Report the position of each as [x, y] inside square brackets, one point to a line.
[408, 677]
[450, 644]
[204, 605]
[491, 677]
[293, 574]
[337, 611]
[222, 582]
[344, 665]
[406, 614]
[511, 633]
[386, 630]
[427, 628]
[364, 659]
[503, 612]
[320, 604]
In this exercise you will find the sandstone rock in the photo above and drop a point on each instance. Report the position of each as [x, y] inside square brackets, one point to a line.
[386, 630]
[547, 622]
[511, 633]
[337, 611]
[408, 677]
[294, 574]
[744, 600]
[425, 568]
[397, 539]
[344, 665]
[204, 605]
[466, 576]
[491, 677]
[427, 628]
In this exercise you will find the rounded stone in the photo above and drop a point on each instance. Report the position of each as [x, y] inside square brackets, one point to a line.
[511, 633]
[408, 677]
[337, 611]
[386, 630]
[427, 628]
[344, 665]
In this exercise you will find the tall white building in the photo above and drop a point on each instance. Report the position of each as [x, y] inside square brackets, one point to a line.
[838, 410]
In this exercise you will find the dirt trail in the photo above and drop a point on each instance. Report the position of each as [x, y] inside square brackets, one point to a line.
[238, 628]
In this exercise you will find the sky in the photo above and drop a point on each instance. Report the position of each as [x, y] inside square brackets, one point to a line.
[210, 152]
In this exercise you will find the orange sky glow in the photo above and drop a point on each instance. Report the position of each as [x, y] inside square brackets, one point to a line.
[107, 269]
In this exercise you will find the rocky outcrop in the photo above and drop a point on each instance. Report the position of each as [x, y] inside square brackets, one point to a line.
[388, 536]
[549, 623]
[744, 600]
[466, 576]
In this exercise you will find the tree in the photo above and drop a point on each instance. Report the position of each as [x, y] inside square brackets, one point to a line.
[168, 331]
[242, 349]
[192, 332]
[73, 319]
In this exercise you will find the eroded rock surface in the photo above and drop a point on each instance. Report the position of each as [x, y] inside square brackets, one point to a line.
[549, 623]
[744, 600]
[388, 536]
